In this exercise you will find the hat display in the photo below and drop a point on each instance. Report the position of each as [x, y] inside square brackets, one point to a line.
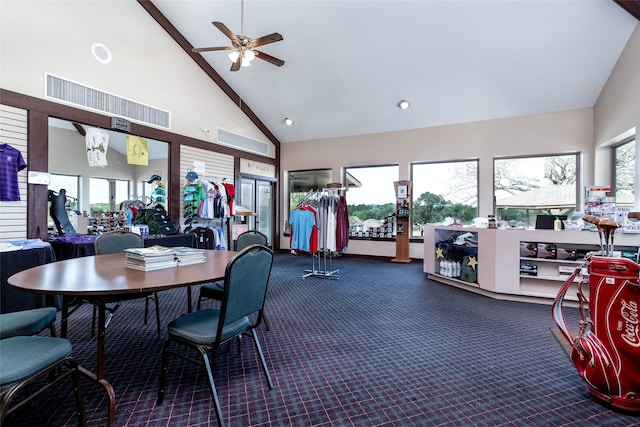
[192, 176]
[154, 178]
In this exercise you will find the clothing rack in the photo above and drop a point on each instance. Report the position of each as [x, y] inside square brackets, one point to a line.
[325, 264]
[320, 260]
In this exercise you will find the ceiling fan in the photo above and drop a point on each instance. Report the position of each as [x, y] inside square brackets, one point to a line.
[244, 48]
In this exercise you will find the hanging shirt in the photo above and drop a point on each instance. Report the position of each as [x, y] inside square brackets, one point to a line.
[231, 192]
[302, 224]
[11, 162]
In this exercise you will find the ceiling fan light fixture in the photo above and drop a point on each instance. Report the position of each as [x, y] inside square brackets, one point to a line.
[404, 104]
[233, 56]
[288, 121]
[249, 55]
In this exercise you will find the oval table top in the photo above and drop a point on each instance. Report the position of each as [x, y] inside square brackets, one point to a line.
[107, 275]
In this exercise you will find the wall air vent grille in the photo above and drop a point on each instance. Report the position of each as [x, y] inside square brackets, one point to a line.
[240, 142]
[80, 95]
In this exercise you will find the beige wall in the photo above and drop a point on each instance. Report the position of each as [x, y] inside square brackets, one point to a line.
[147, 66]
[562, 132]
[617, 111]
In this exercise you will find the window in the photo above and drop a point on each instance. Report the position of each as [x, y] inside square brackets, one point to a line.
[527, 186]
[441, 190]
[107, 194]
[70, 184]
[99, 196]
[302, 182]
[624, 167]
[121, 192]
[370, 196]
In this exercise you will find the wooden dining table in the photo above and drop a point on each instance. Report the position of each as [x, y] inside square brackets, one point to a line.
[101, 279]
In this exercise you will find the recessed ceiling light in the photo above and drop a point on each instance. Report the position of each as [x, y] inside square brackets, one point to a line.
[101, 53]
[288, 121]
[404, 104]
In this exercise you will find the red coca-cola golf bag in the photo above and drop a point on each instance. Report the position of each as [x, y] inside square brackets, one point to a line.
[606, 347]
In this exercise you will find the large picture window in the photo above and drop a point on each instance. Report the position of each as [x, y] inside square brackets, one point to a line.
[444, 189]
[107, 194]
[370, 195]
[525, 187]
[625, 169]
[70, 185]
[301, 183]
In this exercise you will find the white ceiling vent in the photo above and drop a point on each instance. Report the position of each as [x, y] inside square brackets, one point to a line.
[240, 142]
[84, 96]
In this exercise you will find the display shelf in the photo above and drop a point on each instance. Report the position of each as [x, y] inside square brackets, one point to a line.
[499, 260]
[553, 261]
[453, 279]
[552, 278]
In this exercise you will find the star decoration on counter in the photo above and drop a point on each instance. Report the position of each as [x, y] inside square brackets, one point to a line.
[473, 262]
[439, 253]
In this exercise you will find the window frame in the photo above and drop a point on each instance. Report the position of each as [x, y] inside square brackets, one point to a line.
[633, 141]
[578, 174]
[441, 162]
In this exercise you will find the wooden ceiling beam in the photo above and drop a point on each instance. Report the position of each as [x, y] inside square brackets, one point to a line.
[631, 6]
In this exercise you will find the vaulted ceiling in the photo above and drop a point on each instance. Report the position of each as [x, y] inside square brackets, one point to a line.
[348, 63]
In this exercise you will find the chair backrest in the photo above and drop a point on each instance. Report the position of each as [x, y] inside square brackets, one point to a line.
[245, 285]
[117, 241]
[251, 237]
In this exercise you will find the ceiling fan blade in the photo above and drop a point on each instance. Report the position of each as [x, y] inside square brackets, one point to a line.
[225, 30]
[209, 49]
[271, 38]
[236, 65]
[269, 58]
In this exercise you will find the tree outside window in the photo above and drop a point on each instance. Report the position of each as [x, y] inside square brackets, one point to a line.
[370, 195]
[525, 187]
[625, 172]
[444, 190]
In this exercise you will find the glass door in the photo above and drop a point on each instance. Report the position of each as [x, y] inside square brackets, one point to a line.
[257, 196]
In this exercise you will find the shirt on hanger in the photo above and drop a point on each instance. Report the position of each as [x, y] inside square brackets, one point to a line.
[11, 161]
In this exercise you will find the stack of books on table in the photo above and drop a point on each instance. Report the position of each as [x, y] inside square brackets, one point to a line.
[188, 256]
[151, 258]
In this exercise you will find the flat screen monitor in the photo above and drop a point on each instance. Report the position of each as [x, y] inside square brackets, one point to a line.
[545, 222]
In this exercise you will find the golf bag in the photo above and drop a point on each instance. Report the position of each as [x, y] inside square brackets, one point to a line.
[606, 348]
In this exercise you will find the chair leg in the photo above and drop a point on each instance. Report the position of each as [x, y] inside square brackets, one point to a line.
[52, 329]
[254, 335]
[212, 386]
[266, 323]
[199, 301]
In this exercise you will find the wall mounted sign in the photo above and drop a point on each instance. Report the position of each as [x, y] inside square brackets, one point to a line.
[251, 167]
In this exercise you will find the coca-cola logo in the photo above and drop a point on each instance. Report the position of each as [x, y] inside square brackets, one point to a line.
[629, 313]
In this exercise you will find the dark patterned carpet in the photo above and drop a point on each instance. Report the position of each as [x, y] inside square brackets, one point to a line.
[381, 346]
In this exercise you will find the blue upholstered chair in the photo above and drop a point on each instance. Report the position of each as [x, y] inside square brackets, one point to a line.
[27, 322]
[26, 358]
[215, 290]
[115, 242]
[245, 286]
